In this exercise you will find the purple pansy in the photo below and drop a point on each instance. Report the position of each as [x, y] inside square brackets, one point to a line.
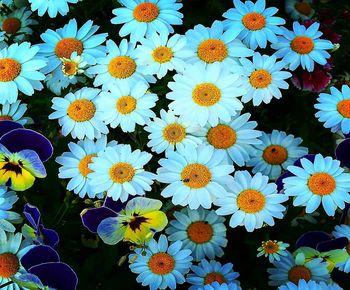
[321, 241]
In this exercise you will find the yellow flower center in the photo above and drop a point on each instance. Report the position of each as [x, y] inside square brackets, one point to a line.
[84, 164]
[9, 265]
[162, 54]
[214, 277]
[66, 46]
[343, 108]
[270, 247]
[303, 8]
[146, 12]
[222, 136]
[206, 94]
[11, 25]
[212, 50]
[260, 79]
[126, 104]
[251, 201]
[174, 133]
[298, 273]
[321, 183]
[69, 68]
[161, 263]
[196, 175]
[9, 69]
[122, 67]
[200, 232]
[254, 21]
[81, 110]
[2, 118]
[302, 44]
[275, 154]
[121, 172]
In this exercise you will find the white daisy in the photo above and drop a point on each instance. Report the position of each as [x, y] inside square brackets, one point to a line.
[299, 9]
[310, 285]
[52, 7]
[272, 249]
[14, 112]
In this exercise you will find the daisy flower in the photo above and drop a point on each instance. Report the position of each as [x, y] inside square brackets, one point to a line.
[302, 46]
[19, 71]
[196, 176]
[299, 9]
[334, 109]
[140, 18]
[263, 78]
[217, 286]
[272, 249]
[202, 231]
[343, 231]
[126, 106]
[52, 7]
[320, 181]
[76, 113]
[118, 67]
[14, 112]
[169, 132]
[73, 65]
[206, 94]
[159, 54]
[309, 285]
[235, 138]
[276, 152]
[161, 266]
[207, 273]
[211, 45]
[119, 171]
[252, 201]
[293, 269]
[253, 23]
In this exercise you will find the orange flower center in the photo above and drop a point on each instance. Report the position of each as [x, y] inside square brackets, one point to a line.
[122, 67]
[84, 164]
[343, 108]
[260, 79]
[275, 154]
[222, 136]
[126, 104]
[251, 201]
[162, 54]
[81, 110]
[9, 265]
[2, 118]
[303, 8]
[121, 172]
[206, 94]
[254, 21]
[196, 175]
[146, 12]
[161, 263]
[212, 50]
[11, 25]
[270, 247]
[69, 68]
[200, 232]
[302, 44]
[66, 46]
[321, 183]
[9, 69]
[299, 272]
[214, 277]
[174, 133]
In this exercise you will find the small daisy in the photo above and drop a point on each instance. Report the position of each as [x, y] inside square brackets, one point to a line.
[206, 94]
[253, 24]
[334, 109]
[119, 171]
[169, 132]
[73, 65]
[273, 250]
[320, 181]
[293, 269]
[126, 106]
[17, 24]
[263, 78]
[14, 112]
[140, 18]
[196, 176]
[211, 45]
[56, 82]
[76, 113]
[52, 7]
[217, 286]
[302, 46]
[202, 231]
[119, 66]
[157, 54]
[252, 201]
[19, 71]
[343, 231]
[277, 151]
[207, 273]
[309, 285]
[299, 9]
[161, 266]
[236, 138]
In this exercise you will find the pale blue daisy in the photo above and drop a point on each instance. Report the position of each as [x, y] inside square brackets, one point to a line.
[343, 231]
[52, 7]
[223, 286]
[14, 112]
[309, 285]
[299, 9]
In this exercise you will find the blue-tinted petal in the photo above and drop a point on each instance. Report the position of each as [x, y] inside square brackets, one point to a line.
[310, 157]
[7, 126]
[311, 239]
[28, 281]
[279, 180]
[32, 163]
[32, 214]
[38, 255]
[116, 206]
[49, 236]
[338, 243]
[342, 152]
[92, 217]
